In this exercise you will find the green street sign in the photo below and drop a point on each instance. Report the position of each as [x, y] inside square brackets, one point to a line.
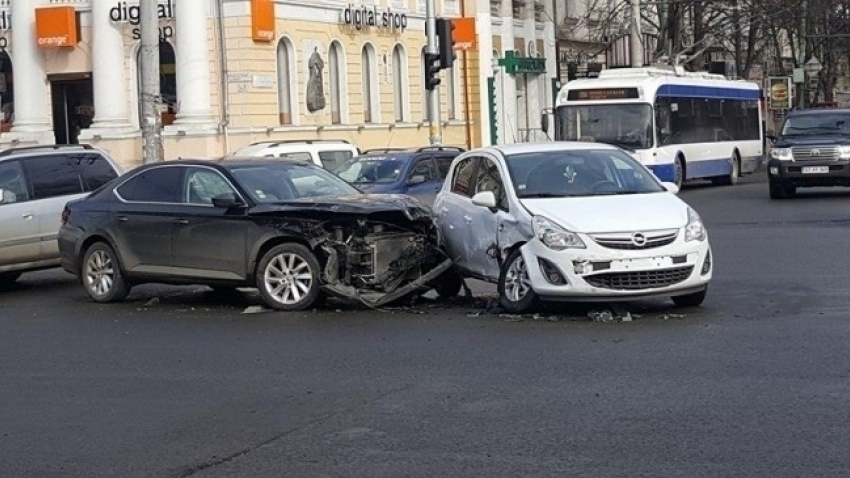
[515, 64]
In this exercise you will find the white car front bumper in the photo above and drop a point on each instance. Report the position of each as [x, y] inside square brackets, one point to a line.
[600, 273]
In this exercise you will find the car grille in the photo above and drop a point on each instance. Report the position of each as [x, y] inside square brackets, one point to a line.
[640, 280]
[625, 241]
[814, 153]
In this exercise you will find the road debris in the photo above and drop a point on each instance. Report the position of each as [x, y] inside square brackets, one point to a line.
[152, 302]
[255, 309]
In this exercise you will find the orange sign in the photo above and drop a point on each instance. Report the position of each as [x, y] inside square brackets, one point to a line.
[56, 26]
[463, 33]
[262, 20]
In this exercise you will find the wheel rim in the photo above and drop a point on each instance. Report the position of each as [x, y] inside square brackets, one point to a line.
[100, 273]
[288, 278]
[517, 283]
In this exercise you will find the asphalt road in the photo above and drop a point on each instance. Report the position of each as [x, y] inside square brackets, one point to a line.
[178, 382]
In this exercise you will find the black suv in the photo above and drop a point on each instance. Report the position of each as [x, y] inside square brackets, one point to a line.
[812, 149]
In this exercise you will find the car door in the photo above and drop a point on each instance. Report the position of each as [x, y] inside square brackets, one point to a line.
[141, 222]
[54, 182]
[453, 208]
[206, 241]
[422, 180]
[19, 238]
[485, 226]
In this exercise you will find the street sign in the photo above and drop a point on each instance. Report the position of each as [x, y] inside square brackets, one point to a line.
[813, 66]
[514, 64]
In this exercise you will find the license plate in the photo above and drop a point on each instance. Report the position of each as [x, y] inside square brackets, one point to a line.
[815, 169]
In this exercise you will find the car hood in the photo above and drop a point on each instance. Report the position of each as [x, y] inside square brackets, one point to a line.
[360, 205]
[819, 140]
[624, 213]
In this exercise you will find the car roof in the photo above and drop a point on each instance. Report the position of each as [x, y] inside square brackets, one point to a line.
[548, 146]
[229, 162]
[819, 111]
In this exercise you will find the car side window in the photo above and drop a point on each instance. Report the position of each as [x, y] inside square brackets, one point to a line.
[201, 185]
[462, 179]
[94, 169]
[334, 160]
[444, 163]
[52, 176]
[488, 178]
[13, 183]
[424, 167]
[160, 185]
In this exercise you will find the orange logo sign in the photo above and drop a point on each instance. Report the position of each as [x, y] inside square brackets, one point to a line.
[463, 33]
[56, 26]
[262, 20]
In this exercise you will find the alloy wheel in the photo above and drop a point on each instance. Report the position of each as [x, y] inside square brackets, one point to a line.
[517, 282]
[288, 278]
[100, 273]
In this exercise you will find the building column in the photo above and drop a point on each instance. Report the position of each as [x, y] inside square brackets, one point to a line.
[111, 108]
[193, 66]
[32, 110]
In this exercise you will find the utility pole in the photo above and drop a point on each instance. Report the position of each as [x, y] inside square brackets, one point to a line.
[636, 42]
[151, 117]
[434, 126]
[801, 55]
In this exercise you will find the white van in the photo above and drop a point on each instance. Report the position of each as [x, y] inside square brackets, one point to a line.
[329, 154]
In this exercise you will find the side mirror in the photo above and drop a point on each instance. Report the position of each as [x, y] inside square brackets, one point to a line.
[771, 137]
[671, 187]
[418, 179]
[544, 123]
[2, 196]
[227, 201]
[485, 199]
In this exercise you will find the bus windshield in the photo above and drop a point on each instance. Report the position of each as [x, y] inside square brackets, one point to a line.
[628, 126]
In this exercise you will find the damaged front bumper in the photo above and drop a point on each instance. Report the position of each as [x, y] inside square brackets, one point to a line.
[598, 273]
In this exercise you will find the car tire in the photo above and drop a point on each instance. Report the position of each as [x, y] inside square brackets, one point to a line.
[690, 300]
[288, 277]
[515, 292]
[781, 191]
[101, 274]
[449, 284]
[8, 278]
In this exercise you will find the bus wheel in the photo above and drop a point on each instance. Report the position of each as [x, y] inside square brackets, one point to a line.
[679, 172]
[733, 175]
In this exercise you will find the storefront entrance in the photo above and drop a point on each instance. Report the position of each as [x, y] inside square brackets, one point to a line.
[73, 106]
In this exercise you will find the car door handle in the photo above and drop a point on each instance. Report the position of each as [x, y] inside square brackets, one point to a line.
[181, 221]
[27, 215]
[123, 218]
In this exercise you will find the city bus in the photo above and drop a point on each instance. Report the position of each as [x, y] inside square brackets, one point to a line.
[681, 125]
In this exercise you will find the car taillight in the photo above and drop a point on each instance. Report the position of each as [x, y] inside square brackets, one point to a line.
[66, 214]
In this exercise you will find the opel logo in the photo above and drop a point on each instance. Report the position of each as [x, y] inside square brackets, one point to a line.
[814, 152]
[638, 239]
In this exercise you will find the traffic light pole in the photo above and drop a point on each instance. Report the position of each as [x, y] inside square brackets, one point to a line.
[434, 126]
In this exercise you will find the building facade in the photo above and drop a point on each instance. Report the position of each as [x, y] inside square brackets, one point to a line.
[237, 71]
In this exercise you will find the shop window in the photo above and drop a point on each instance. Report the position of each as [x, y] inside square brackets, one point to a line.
[285, 65]
[369, 82]
[399, 82]
[7, 93]
[336, 68]
[167, 82]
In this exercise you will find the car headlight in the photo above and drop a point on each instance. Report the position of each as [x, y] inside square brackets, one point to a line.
[844, 152]
[782, 154]
[554, 236]
[694, 231]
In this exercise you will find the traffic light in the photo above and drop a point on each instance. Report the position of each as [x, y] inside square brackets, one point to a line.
[447, 43]
[432, 70]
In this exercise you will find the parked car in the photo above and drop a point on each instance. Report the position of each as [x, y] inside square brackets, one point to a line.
[291, 229]
[572, 222]
[35, 184]
[812, 149]
[329, 154]
[418, 172]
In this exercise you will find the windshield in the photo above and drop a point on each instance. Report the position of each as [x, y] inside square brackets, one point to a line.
[812, 124]
[579, 173]
[624, 125]
[373, 170]
[283, 181]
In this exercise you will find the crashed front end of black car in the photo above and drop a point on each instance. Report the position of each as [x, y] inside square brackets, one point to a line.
[372, 249]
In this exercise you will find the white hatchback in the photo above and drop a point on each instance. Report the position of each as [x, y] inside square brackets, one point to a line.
[572, 222]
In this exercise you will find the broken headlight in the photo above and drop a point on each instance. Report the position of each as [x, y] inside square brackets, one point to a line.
[554, 236]
[694, 231]
[782, 154]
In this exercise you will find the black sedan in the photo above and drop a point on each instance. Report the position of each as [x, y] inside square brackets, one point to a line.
[293, 230]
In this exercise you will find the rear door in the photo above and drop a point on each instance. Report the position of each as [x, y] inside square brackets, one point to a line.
[453, 210]
[53, 181]
[19, 239]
